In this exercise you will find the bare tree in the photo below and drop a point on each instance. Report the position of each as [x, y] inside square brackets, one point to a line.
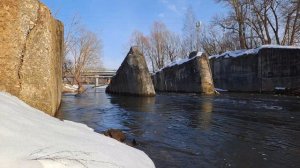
[69, 42]
[290, 11]
[160, 48]
[85, 54]
[259, 22]
[143, 42]
[173, 46]
[235, 21]
[82, 52]
[158, 42]
[140, 40]
[165, 46]
[215, 41]
[190, 33]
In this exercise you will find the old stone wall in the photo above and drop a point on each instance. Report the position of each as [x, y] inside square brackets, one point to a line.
[31, 43]
[192, 76]
[262, 71]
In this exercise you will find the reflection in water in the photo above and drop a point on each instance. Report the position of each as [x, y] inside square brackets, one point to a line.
[200, 113]
[188, 130]
[206, 116]
[139, 104]
[139, 107]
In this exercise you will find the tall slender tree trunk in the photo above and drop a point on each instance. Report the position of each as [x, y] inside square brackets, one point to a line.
[292, 40]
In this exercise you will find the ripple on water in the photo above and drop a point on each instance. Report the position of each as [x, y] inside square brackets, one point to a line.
[190, 130]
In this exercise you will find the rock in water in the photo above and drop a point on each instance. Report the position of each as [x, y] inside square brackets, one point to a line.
[133, 77]
[31, 53]
[115, 134]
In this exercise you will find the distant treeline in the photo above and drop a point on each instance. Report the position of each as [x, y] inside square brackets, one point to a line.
[248, 24]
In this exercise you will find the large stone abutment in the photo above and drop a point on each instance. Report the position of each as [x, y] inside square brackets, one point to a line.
[31, 42]
[264, 69]
[191, 75]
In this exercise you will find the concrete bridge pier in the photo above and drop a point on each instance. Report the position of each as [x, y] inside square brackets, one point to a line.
[97, 80]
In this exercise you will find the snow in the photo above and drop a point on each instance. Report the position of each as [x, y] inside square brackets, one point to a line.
[179, 61]
[199, 54]
[221, 90]
[280, 46]
[101, 87]
[30, 138]
[238, 53]
[280, 88]
[71, 87]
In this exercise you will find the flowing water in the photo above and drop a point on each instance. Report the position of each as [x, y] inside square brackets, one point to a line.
[191, 131]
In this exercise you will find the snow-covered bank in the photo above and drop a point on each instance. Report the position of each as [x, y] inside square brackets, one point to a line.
[67, 88]
[31, 139]
[238, 53]
[221, 90]
[101, 87]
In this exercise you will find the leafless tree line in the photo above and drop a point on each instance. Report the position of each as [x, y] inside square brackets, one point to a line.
[259, 22]
[163, 46]
[248, 24]
[160, 47]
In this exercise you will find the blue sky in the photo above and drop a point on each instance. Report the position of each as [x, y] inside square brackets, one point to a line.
[114, 20]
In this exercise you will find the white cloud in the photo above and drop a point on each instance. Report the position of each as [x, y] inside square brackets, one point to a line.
[173, 6]
[161, 15]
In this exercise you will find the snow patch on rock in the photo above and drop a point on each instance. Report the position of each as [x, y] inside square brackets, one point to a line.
[238, 53]
[179, 61]
[221, 90]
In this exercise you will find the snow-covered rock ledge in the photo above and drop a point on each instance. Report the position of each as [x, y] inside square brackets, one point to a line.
[30, 138]
[239, 53]
[180, 61]
[67, 88]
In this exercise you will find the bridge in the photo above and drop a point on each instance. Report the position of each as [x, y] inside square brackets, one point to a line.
[95, 77]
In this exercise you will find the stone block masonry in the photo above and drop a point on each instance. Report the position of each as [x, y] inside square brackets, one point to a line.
[191, 75]
[257, 70]
[31, 46]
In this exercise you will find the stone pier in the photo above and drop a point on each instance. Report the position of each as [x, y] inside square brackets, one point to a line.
[192, 75]
[133, 77]
[258, 70]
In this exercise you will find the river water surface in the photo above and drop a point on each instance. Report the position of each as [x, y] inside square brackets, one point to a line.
[191, 131]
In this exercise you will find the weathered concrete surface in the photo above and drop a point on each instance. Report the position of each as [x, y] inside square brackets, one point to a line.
[262, 71]
[236, 74]
[31, 53]
[133, 77]
[193, 76]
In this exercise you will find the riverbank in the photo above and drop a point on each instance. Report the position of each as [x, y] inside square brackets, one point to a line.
[30, 138]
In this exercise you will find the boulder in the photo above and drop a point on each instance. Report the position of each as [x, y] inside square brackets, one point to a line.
[120, 136]
[133, 77]
[189, 76]
[115, 134]
[31, 49]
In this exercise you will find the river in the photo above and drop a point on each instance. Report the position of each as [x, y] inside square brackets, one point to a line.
[191, 131]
